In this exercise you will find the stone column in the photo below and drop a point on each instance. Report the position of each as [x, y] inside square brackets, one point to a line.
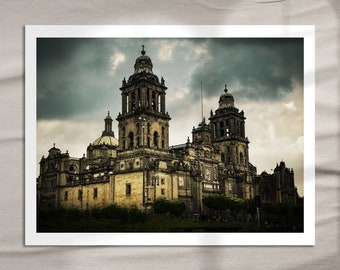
[163, 103]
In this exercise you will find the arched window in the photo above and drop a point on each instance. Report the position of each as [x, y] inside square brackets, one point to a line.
[221, 129]
[154, 101]
[130, 140]
[241, 158]
[133, 101]
[155, 139]
[127, 103]
[163, 132]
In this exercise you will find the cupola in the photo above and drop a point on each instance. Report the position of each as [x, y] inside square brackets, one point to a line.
[143, 63]
[226, 99]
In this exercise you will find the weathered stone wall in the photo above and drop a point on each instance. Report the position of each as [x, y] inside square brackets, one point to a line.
[86, 196]
[135, 198]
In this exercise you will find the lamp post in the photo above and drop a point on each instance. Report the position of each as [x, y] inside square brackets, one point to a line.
[142, 119]
[199, 181]
[258, 205]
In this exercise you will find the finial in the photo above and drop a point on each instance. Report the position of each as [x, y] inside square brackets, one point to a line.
[143, 51]
[225, 88]
[108, 113]
[53, 145]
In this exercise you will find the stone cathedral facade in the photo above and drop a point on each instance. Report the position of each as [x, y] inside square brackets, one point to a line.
[140, 166]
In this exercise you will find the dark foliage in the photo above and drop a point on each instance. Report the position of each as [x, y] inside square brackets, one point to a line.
[222, 215]
[273, 217]
[174, 208]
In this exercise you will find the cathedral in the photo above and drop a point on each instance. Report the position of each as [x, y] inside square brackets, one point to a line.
[139, 166]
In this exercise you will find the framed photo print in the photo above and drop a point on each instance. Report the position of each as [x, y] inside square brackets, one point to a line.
[170, 135]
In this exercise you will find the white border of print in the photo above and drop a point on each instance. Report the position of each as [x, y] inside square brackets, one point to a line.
[210, 31]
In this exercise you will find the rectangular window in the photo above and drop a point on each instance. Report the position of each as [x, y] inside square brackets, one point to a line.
[80, 194]
[95, 193]
[65, 196]
[69, 179]
[128, 189]
[163, 191]
[181, 181]
[162, 181]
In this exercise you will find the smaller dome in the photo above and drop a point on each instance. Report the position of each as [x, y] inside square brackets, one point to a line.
[108, 136]
[105, 140]
[226, 99]
[143, 63]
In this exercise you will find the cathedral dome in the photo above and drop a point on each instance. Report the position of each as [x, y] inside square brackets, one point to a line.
[226, 99]
[106, 140]
[108, 137]
[143, 63]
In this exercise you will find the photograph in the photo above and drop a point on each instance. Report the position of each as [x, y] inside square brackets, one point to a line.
[169, 135]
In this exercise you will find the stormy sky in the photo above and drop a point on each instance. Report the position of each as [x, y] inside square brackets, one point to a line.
[78, 81]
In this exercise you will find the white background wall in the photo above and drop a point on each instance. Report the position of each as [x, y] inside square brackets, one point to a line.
[15, 14]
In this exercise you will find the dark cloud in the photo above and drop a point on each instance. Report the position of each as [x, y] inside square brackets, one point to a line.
[259, 69]
[74, 79]
[68, 75]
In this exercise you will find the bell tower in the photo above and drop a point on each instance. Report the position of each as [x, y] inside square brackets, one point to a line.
[143, 121]
[228, 133]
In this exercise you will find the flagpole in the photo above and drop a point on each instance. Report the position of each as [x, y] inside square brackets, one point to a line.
[202, 101]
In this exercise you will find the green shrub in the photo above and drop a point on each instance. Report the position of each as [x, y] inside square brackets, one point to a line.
[161, 206]
[220, 202]
[174, 208]
[177, 208]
